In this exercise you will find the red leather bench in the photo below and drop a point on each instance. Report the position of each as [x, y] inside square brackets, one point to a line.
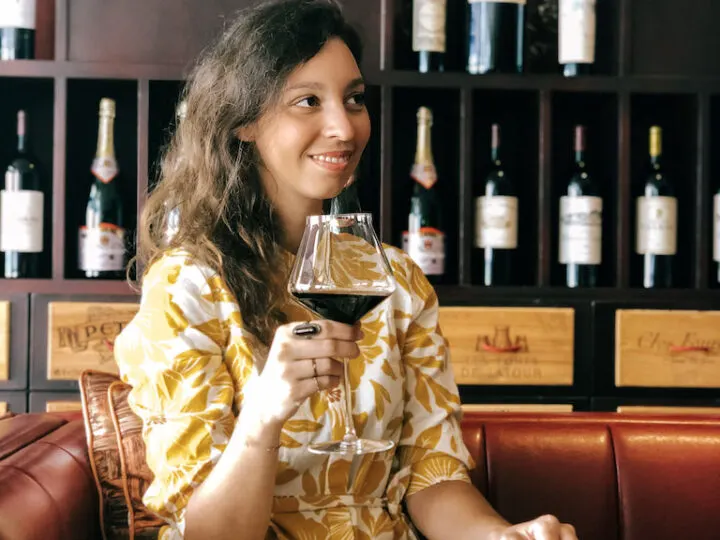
[614, 477]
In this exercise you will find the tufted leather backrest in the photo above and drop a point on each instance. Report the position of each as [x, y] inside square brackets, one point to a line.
[612, 476]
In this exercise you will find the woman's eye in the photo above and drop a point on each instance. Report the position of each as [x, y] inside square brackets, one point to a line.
[357, 99]
[311, 101]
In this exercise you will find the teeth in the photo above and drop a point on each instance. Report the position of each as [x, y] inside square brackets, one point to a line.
[329, 159]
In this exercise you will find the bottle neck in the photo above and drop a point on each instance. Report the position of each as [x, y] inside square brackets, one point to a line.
[495, 154]
[105, 142]
[423, 150]
[579, 157]
[22, 144]
[655, 160]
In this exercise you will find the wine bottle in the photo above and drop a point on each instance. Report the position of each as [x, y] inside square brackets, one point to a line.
[426, 241]
[496, 36]
[22, 209]
[496, 218]
[576, 36]
[581, 222]
[657, 221]
[102, 237]
[17, 29]
[428, 34]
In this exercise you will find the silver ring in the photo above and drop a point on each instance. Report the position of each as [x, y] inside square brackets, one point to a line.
[307, 330]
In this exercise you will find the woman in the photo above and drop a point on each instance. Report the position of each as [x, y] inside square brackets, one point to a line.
[228, 394]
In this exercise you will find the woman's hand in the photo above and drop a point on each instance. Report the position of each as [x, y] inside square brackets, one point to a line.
[303, 359]
[543, 528]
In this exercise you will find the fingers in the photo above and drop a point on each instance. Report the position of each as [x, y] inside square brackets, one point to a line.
[307, 387]
[303, 369]
[323, 348]
[568, 532]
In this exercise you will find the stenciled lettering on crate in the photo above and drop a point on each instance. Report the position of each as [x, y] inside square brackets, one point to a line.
[667, 348]
[4, 340]
[82, 336]
[510, 346]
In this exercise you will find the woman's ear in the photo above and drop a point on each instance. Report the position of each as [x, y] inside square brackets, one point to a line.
[245, 133]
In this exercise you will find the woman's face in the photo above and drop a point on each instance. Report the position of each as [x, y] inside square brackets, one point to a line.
[311, 141]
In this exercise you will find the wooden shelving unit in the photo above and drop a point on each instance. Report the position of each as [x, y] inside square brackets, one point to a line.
[643, 77]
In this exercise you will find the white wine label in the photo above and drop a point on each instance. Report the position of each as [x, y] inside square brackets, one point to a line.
[21, 225]
[425, 175]
[17, 14]
[429, 25]
[576, 32]
[496, 221]
[656, 225]
[580, 230]
[427, 248]
[102, 248]
[519, 2]
[104, 169]
[716, 228]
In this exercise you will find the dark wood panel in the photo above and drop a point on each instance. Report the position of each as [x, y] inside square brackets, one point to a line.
[175, 31]
[40, 402]
[16, 402]
[672, 37]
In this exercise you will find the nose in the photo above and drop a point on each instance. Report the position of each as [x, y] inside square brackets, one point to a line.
[338, 123]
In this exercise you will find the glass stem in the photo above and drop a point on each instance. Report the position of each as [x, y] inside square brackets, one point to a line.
[350, 435]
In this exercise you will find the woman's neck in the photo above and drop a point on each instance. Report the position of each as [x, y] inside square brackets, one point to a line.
[292, 215]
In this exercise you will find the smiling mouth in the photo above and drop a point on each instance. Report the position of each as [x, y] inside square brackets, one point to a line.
[334, 158]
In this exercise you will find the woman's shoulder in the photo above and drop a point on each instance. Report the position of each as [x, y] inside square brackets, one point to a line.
[177, 269]
[406, 272]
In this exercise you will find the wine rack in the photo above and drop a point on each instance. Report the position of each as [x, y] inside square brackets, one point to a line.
[653, 67]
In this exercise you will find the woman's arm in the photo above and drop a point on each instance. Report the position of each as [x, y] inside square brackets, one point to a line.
[238, 493]
[454, 510]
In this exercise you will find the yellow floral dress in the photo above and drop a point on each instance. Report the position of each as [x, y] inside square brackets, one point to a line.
[190, 361]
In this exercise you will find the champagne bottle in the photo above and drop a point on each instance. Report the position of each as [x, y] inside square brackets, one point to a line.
[428, 34]
[496, 218]
[22, 209]
[496, 37]
[581, 222]
[426, 241]
[657, 221]
[102, 237]
[576, 36]
[17, 29]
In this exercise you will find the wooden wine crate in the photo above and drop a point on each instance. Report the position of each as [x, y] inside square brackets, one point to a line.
[3, 407]
[510, 346]
[4, 340]
[664, 409]
[63, 406]
[517, 407]
[673, 348]
[81, 335]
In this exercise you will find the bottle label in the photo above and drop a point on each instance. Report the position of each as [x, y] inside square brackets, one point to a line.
[496, 221]
[576, 40]
[429, 25]
[104, 169]
[21, 225]
[656, 225]
[580, 230]
[17, 14]
[102, 248]
[427, 248]
[425, 175]
[716, 228]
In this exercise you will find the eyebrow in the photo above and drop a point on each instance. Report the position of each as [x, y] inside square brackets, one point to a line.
[319, 86]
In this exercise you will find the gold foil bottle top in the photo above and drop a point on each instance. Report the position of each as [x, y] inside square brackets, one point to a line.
[181, 110]
[107, 107]
[424, 116]
[655, 141]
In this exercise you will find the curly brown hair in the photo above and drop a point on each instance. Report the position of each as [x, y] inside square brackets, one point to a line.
[227, 221]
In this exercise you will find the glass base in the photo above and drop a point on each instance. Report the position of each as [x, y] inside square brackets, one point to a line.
[356, 447]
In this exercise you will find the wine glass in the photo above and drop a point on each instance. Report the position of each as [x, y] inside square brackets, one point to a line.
[341, 273]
